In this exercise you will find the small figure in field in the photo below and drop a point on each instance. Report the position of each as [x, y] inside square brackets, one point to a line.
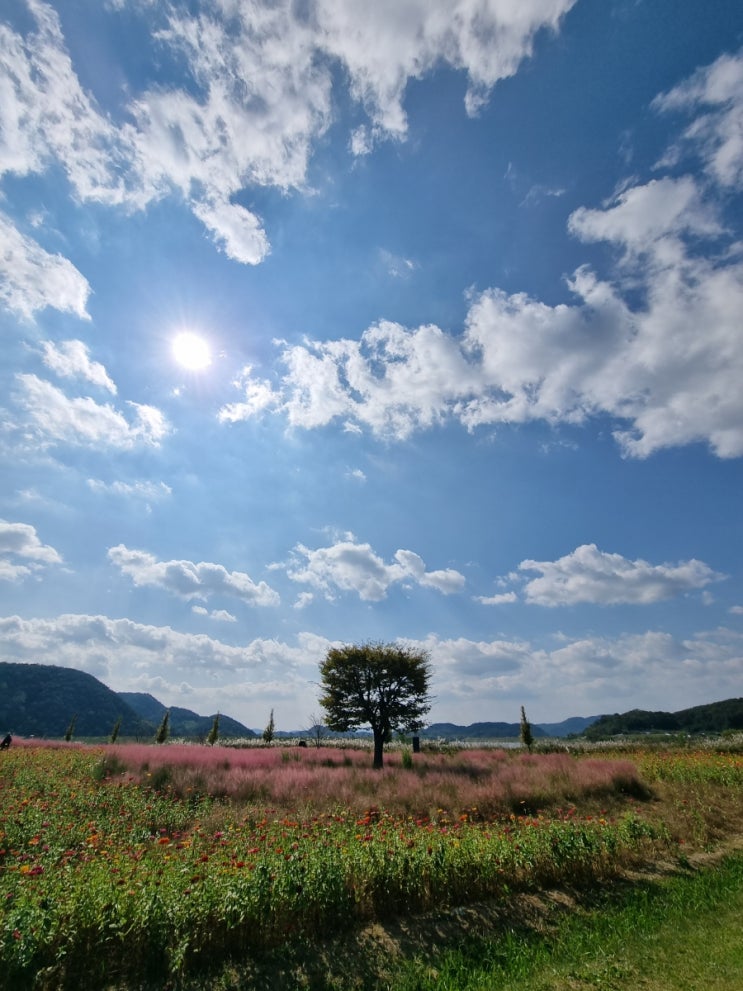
[7, 740]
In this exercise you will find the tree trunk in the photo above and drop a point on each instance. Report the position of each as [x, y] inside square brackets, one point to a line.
[378, 748]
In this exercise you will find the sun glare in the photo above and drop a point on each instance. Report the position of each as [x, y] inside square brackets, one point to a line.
[191, 351]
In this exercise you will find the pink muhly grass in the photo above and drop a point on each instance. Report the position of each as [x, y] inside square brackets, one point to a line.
[489, 781]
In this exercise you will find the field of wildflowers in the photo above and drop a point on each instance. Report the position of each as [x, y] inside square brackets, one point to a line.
[139, 862]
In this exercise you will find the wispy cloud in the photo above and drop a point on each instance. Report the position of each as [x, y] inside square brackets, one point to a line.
[54, 418]
[32, 279]
[149, 491]
[71, 359]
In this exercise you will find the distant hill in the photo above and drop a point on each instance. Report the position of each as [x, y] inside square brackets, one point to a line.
[713, 718]
[41, 700]
[569, 727]
[505, 731]
[183, 722]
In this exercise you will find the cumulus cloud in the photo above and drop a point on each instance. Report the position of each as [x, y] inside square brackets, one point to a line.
[472, 680]
[189, 580]
[71, 359]
[590, 575]
[128, 647]
[652, 670]
[54, 418]
[22, 552]
[627, 346]
[129, 656]
[350, 566]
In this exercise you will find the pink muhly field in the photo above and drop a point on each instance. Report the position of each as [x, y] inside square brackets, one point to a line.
[487, 782]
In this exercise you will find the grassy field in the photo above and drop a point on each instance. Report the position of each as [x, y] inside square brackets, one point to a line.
[154, 867]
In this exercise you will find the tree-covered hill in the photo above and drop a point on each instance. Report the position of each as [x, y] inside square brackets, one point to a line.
[504, 731]
[715, 717]
[42, 699]
[183, 722]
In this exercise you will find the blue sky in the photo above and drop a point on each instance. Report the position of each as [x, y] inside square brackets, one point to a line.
[461, 285]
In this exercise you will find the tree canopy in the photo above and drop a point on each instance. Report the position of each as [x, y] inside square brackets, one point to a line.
[384, 686]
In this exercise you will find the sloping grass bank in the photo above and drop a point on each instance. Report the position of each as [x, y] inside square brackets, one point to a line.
[675, 932]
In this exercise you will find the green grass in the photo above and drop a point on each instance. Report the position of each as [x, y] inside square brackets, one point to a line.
[681, 934]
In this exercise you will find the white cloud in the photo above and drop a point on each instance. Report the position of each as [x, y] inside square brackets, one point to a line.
[652, 670]
[499, 599]
[46, 116]
[71, 359]
[235, 230]
[262, 95]
[472, 680]
[21, 551]
[627, 346]
[715, 94]
[55, 418]
[357, 474]
[259, 396]
[150, 491]
[219, 615]
[348, 566]
[127, 656]
[32, 279]
[384, 45]
[642, 216]
[590, 575]
[736, 610]
[189, 580]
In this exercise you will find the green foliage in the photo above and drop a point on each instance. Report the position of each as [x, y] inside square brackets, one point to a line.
[527, 740]
[213, 732]
[163, 729]
[115, 731]
[269, 731]
[70, 731]
[384, 686]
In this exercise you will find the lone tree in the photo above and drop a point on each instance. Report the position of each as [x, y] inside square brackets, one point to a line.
[268, 732]
[527, 739]
[213, 732]
[384, 686]
[163, 730]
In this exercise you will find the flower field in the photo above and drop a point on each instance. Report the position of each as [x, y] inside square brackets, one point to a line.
[140, 862]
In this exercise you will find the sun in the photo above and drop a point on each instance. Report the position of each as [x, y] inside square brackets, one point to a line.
[191, 351]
